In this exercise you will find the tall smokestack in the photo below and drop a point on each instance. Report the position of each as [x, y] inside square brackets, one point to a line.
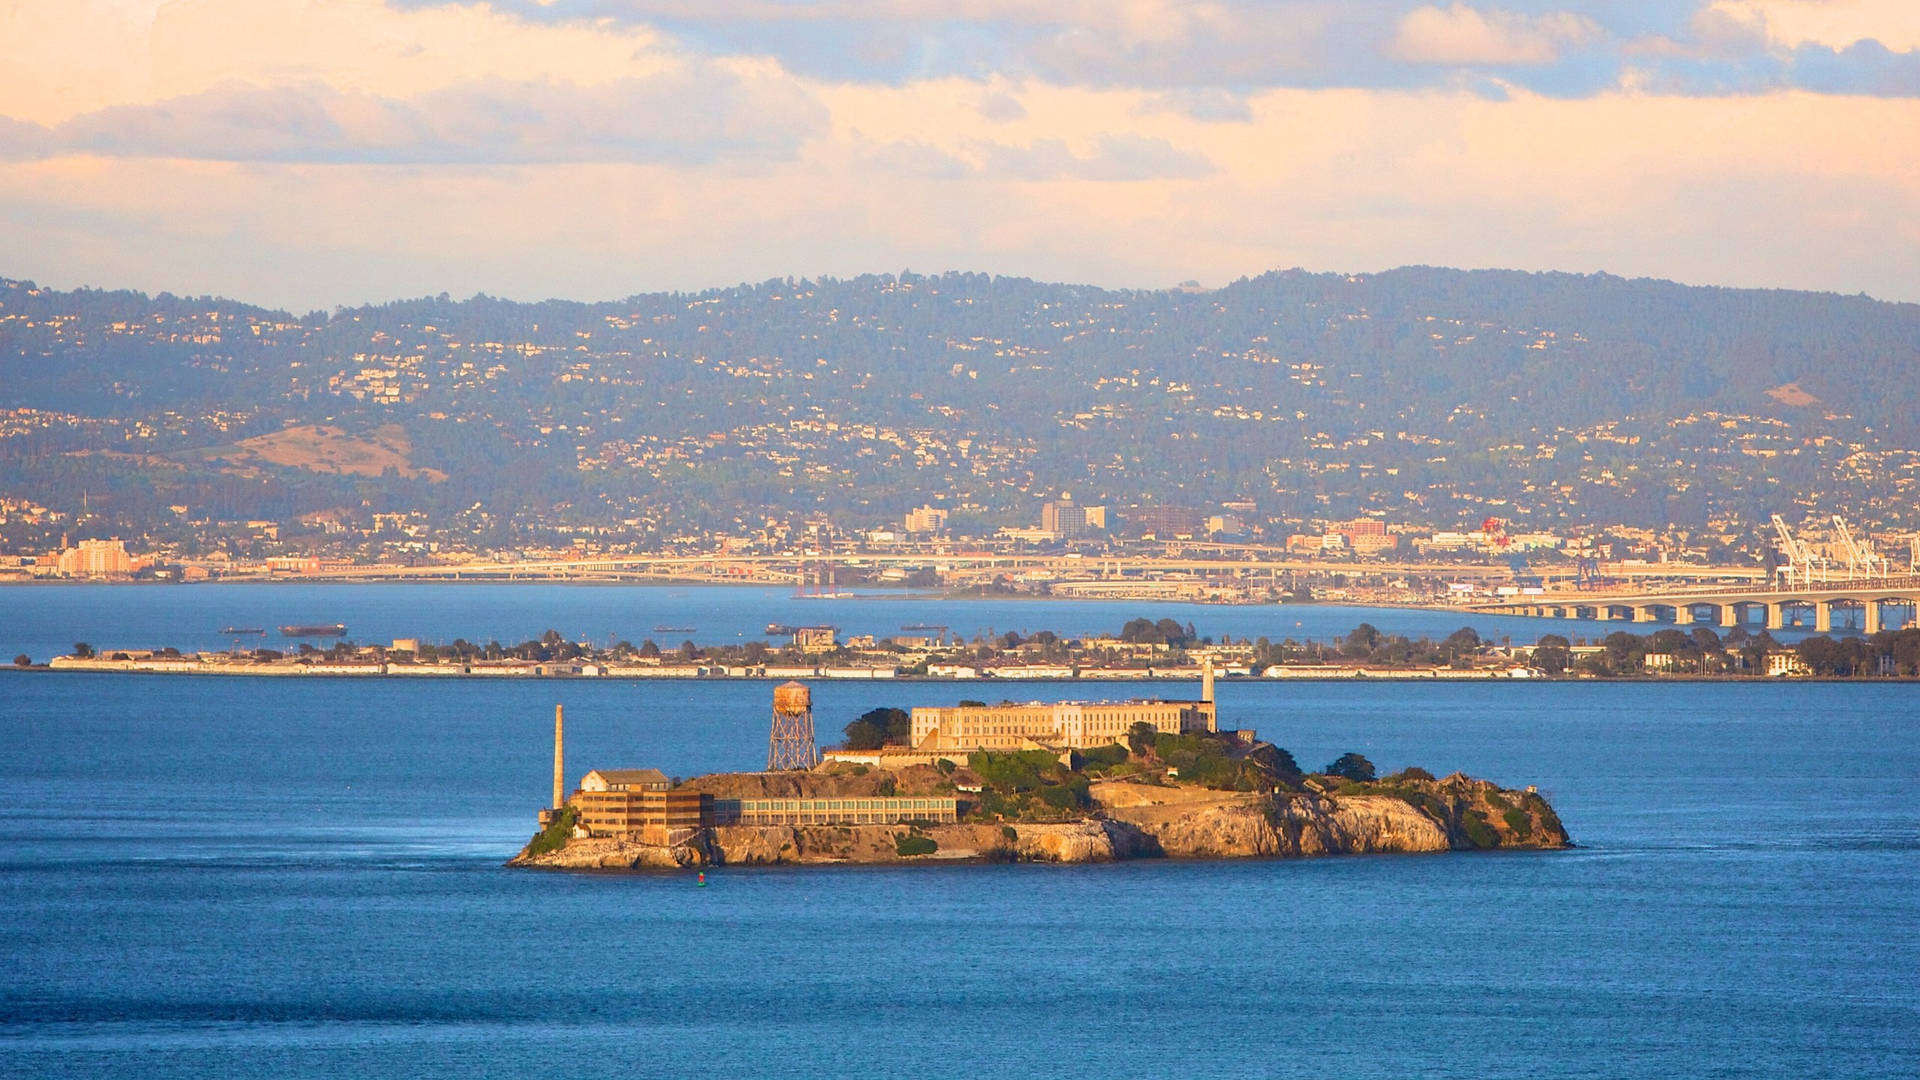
[559, 759]
[1206, 679]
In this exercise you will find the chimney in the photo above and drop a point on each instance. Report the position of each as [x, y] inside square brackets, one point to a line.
[559, 760]
[1206, 680]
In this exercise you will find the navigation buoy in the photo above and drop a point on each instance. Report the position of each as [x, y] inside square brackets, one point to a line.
[703, 879]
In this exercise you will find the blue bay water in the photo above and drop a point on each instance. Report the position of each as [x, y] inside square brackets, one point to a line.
[46, 620]
[206, 876]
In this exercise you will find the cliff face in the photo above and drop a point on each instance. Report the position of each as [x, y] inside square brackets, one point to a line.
[1138, 821]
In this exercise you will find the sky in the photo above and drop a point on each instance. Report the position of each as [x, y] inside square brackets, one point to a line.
[312, 153]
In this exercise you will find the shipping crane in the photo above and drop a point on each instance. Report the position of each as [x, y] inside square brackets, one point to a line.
[1800, 558]
[1862, 562]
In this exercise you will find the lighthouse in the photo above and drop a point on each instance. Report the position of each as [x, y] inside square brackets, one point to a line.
[559, 760]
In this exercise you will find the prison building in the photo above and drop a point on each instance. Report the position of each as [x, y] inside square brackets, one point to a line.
[1076, 724]
[615, 802]
[864, 810]
[625, 780]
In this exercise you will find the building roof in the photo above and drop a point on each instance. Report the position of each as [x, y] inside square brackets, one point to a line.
[633, 777]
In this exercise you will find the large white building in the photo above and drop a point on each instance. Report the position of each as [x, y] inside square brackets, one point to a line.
[95, 559]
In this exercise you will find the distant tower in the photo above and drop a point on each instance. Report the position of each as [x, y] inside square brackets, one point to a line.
[791, 744]
[1206, 679]
[559, 760]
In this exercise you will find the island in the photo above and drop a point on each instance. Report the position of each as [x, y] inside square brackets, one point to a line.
[1169, 783]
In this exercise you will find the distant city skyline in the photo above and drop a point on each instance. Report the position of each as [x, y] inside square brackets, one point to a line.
[303, 154]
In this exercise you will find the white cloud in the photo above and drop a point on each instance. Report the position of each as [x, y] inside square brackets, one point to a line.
[61, 59]
[351, 152]
[1464, 35]
[1833, 23]
[697, 114]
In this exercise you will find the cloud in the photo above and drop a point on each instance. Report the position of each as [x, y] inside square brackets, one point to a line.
[1865, 67]
[1832, 23]
[1734, 48]
[318, 151]
[1112, 158]
[1460, 35]
[1001, 107]
[1718, 31]
[697, 115]
[1208, 104]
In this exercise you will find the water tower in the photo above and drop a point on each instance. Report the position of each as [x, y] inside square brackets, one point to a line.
[791, 745]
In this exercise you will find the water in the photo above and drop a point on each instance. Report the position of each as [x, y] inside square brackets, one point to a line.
[214, 877]
[46, 621]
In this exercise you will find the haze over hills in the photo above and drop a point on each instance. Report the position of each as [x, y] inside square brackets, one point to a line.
[1421, 394]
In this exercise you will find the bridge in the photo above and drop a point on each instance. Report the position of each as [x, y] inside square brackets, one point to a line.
[1730, 606]
[1247, 564]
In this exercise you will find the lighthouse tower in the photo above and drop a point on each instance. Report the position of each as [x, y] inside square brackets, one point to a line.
[559, 760]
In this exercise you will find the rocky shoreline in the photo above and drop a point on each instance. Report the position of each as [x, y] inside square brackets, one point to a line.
[1131, 820]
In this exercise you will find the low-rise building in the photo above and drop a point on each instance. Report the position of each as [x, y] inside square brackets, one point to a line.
[852, 810]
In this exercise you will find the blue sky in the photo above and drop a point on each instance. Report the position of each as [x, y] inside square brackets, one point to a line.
[312, 152]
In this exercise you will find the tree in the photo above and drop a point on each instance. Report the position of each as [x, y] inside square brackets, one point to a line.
[1141, 737]
[1353, 767]
[1669, 641]
[1280, 760]
[23, 660]
[1363, 641]
[1552, 653]
[82, 650]
[876, 728]
[1464, 640]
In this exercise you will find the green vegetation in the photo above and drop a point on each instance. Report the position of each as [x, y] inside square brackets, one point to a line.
[1165, 632]
[1478, 831]
[23, 660]
[1205, 760]
[1016, 771]
[1141, 736]
[1029, 784]
[1352, 767]
[876, 728]
[1519, 821]
[1101, 758]
[555, 835]
[908, 844]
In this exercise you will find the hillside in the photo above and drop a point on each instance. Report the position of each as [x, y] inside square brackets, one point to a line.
[1422, 393]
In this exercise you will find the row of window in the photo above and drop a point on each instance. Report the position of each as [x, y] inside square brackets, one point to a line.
[815, 805]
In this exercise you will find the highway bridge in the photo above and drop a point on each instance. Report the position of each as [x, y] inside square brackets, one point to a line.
[1811, 605]
[1210, 561]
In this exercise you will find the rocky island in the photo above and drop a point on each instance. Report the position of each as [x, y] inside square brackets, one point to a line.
[1184, 796]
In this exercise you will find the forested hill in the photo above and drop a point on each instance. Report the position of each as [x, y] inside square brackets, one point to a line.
[1306, 392]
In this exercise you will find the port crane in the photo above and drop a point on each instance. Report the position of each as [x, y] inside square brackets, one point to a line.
[1862, 561]
[1800, 558]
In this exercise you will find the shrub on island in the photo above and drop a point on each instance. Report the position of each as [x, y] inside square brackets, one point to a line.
[907, 845]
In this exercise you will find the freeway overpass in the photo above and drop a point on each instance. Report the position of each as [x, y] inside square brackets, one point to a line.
[1727, 606]
[800, 567]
